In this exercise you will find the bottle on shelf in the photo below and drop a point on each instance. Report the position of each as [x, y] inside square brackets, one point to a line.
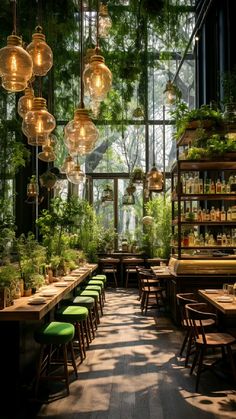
[223, 187]
[207, 186]
[212, 214]
[212, 187]
[217, 214]
[233, 213]
[222, 215]
[229, 217]
[218, 186]
[224, 240]
[208, 215]
[203, 214]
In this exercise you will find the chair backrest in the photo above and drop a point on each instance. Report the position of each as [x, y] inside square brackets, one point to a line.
[197, 313]
[182, 300]
[144, 277]
[109, 263]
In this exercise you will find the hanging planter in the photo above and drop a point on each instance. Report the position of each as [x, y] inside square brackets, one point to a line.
[138, 175]
[48, 180]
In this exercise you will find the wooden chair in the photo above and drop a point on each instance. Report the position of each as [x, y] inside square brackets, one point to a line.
[130, 266]
[109, 267]
[198, 313]
[150, 290]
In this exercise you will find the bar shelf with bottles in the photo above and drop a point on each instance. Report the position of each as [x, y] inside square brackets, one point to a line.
[204, 209]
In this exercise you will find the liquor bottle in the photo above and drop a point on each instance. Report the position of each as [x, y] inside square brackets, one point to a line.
[218, 186]
[207, 215]
[219, 239]
[217, 214]
[199, 215]
[191, 239]
[212, 214]
[224, 240]
[203, 214]
[223, 187]
[229, 217]
[212, 187]
[222, 215]
[195, 214]
[228, 188]
[207, 186]
[201, 189]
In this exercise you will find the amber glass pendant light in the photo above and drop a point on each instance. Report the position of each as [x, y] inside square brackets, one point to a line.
[170, 92]
[67, 165]
[25, 102]
[97, 77]
[38, 123]
[47, 154]
[154, 177]
[104, 21]
[75, 175]
[15, 63]
[80, 133]
[40, 53]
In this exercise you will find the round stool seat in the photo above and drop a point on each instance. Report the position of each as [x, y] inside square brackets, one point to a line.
[100, 276]
[72, 314]
[87, 293]
[54, 333]
[83, 301]
[95, 282]
[92, 288]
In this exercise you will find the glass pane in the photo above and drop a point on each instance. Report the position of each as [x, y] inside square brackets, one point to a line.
[130, 216]
[104, 210]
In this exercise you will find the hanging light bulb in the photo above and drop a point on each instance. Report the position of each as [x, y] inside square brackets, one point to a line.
[25, 102]
[80, 133]
[97, 78]
[104, 21]
[15, 65]
[107, 194]
[154, 180]
[76, 175]
[47, 154]
[40, 52]
[38, 122]
[170, 92]
[67, 165]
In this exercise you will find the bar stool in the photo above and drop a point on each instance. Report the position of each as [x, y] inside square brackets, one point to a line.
[79, 317]
[52, 336]
[89, 303]
[94, 288]
[90, 293]
[100, 283]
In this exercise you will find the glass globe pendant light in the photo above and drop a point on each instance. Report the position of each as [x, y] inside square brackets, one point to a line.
[104, 21]
[40, 53]
[67, 165]
[47, 154]
[25, 102]
[38, 122]
[80, 133]
[16, 65]
[75, 175]
[97, 78]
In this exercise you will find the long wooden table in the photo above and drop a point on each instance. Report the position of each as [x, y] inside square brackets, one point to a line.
[22, 310]
[18, 349]
[227, 308]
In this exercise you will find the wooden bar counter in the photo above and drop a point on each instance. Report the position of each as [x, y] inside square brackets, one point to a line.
[18, 350]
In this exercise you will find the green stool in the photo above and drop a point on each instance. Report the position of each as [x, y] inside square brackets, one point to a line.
[100, 283]
[94, 288]
[51, 336]
[101, 277]
[89, 303]
[79, 317]
[90, 293]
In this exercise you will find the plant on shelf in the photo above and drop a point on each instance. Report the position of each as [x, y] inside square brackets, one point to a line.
[9, 279]
[203, 117]
[31, 258]
[213, 146]
[157, 235]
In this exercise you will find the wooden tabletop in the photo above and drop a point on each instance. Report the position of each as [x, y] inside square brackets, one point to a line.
[228, 308]
[21, 310]
[161, 272]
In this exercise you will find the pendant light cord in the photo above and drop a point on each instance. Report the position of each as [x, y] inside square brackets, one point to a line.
[14, 16]
[97, 34]
[153, 98]
[81, 54]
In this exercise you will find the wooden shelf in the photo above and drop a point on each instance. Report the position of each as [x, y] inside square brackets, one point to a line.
[204, 197]
[206, 223]
[192, 165]
[205, 247]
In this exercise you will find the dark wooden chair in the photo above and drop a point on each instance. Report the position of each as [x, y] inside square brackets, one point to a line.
[109, 268]
[130, 265]
[151, 293]
[182, 300]
[198, 313]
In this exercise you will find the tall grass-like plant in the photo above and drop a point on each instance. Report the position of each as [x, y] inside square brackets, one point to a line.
[157, 235]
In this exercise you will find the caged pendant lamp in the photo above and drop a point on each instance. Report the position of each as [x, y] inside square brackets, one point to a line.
[104, 21]
[16, 65]
[154, 177]
[81, 133]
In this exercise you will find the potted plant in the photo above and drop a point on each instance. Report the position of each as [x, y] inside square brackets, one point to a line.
[137, 175]
[9, 278]
[229, 100]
